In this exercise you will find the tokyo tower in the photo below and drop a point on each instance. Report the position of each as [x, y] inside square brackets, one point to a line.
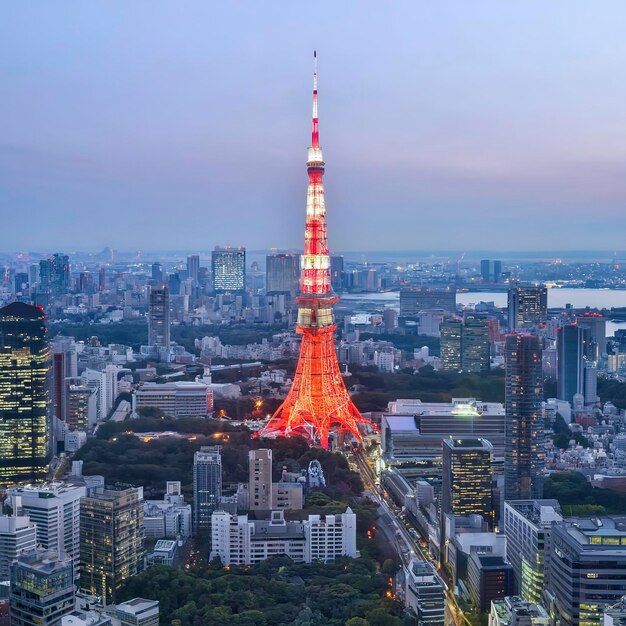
[318, 400]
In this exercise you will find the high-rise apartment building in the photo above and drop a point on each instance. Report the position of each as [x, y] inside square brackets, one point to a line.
[159, 317]
[193, 268]
[527, 306]
[572, 345]
[416, 299]
[228, 267]
[17, 534]
[111, 540]
[466, 477]
[105, 385]
[524, 446]
[260, 479]
[24, 401]
[54, 508]
[42, 589]
[207, 485]
[64, 366]
[282, 274]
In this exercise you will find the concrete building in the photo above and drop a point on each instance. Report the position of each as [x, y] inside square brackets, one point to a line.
[168, 518]
[527, 525]
[424, 594]
[135, 612]
[54, 508]
[585, 568]
[111, 534]
[159, 317]
[489, 578]
[240, 541]
[17, 534]
[260, 479]
[42, 588]
[105, 385]
[515, 611]
[176, 399]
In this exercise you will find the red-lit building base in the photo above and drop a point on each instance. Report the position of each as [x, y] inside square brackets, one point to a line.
[318, 400]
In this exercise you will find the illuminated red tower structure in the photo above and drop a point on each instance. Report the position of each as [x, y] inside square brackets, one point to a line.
[318, 400]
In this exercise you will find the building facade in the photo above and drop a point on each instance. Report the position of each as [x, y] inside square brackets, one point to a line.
[228, 269]
[207, 485]
[466, 478]
[111, 540]
[527, 306]
[524, 454]
[25, 420]
[176, 399]
[42, 588]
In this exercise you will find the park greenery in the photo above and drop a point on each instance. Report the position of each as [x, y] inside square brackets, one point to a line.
[577, 496]
[122, 457]
[276, 592]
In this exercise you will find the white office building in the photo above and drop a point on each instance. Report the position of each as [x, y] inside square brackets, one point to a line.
[54, 508]
[176, 399]
[167, 518]
[240, 541]
[17, 534]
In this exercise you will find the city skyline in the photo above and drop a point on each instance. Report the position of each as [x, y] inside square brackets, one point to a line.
[139, 117]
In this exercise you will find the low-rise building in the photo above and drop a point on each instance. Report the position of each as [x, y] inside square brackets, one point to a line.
[424, 594]
[515, 611]
[176, 399]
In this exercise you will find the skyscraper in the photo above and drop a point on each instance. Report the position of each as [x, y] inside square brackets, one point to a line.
[475, 350]
[451, 331]
[228, 267]
[159, 317]
[336, 272]
[260, 479]
[524, 453]
[157, 272]
[465, 345]
[318, 400]
[466, 477]
[24, 402]
[484, 270]
[111, 540]
[54, 274]
[527, 306]
[282, 274]
[207, 485]
[571, 345]
[193, 267]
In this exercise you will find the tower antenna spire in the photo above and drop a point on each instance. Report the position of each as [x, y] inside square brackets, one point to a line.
[315, 139]
[318, 402]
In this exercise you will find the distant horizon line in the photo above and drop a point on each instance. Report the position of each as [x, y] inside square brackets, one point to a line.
[433, 252]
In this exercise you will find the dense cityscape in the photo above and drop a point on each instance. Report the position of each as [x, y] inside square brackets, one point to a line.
[237, 435]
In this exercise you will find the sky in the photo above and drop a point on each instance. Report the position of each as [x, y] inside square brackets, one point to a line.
[152, 125]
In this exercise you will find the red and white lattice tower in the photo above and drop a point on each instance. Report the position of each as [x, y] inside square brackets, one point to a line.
[318, 400]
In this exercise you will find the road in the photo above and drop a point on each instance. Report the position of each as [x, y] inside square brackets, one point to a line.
[398, 535]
